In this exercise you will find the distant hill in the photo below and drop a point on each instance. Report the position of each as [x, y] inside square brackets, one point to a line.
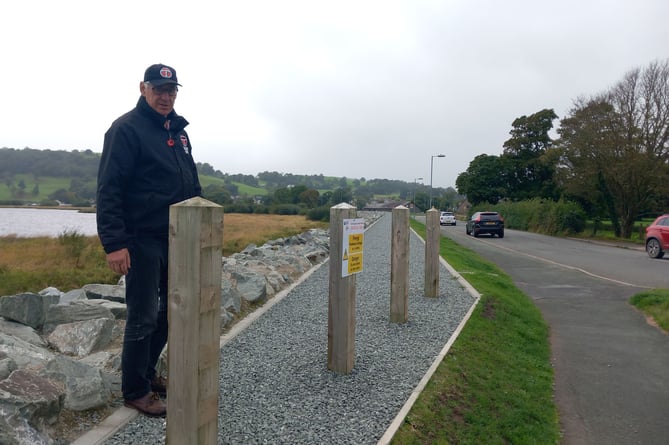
[47, 176]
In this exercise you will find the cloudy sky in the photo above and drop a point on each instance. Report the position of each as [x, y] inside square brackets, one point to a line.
[361, 88]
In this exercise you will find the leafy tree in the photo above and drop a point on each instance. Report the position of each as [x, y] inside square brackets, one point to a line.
[447, 200]
[421, 200]
[325, 199]
[283, 195]
[232, 188]
[217, 193]
[483, 181]
[615, 146]
[244, 179]
[309, 198]
[529, 173]
[63, 196]
[362, 196]
[588, 138]
[341, 194]
[84, 189]
[296, 191]
[205, 169]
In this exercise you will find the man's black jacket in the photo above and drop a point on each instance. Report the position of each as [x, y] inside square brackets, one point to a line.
[146, 166]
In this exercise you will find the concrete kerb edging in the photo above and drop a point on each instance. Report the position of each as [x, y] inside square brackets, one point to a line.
[399, 419]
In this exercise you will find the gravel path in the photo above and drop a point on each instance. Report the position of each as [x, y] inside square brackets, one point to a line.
[275, 385]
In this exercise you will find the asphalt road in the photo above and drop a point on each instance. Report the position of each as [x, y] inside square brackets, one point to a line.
[611, 366]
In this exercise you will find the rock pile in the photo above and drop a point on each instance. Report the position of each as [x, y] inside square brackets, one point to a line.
[61, 350]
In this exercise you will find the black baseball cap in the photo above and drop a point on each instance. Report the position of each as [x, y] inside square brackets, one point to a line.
[160, 74]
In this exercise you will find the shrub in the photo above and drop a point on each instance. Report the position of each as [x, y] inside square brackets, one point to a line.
[286, 209]
[238, 208]
[319, 214]
[11, 202]
[541, 216]
[74, 244]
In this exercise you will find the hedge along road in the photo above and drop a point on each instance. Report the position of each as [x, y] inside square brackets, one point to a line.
[611, 366]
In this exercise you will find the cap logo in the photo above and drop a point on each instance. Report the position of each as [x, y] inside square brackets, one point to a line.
[166, 72]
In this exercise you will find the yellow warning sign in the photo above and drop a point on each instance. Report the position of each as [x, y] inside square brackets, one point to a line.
[355, 242]
[352, 247]
[355, 263]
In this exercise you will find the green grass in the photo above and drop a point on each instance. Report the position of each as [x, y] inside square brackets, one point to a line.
[605, 231]
[69, 262]
[244, 189]
[655, 304]
[73, 260]
[495, 386]
[47, 185]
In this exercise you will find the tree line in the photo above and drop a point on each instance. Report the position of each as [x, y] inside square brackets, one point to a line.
[25, 173]
[611, 156]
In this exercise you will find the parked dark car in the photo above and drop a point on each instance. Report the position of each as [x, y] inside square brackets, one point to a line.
[657, 237]
[485, 222]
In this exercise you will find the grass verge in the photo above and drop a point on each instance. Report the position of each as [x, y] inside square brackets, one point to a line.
[654, 304]
[495, 386]
[73, 260]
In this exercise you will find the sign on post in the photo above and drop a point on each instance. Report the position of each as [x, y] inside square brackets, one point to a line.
[353, 240]
[341, 298]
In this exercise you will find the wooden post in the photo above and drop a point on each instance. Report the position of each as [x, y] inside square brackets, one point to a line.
[432, 235]
[399, 269]
[341, 300]
[194, 315]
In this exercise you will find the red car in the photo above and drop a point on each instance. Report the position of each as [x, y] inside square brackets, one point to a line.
[657, 237]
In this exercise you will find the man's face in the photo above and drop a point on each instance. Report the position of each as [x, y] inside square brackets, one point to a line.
[160, 98]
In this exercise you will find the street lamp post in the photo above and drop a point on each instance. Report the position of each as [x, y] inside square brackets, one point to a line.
[415, 181]
[431, 164]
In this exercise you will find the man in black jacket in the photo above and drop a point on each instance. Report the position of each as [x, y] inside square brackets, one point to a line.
[146, 166]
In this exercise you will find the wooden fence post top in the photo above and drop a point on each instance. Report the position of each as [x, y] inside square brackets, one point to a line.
[401, 207]
[196, 201]
[432, 210]
[343, 205]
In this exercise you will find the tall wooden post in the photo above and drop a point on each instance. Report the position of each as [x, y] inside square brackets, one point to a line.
[341, 300]
[399, 266]
[432, 236]
[194, 315]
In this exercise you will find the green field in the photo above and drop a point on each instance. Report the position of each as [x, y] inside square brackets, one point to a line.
[244, 189]
[47, 185]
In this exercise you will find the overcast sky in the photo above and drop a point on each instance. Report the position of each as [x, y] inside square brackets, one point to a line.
[358, 88]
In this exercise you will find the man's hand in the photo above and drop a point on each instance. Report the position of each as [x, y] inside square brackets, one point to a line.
[119, 261]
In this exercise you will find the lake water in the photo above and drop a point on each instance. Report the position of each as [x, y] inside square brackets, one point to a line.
[27, 222]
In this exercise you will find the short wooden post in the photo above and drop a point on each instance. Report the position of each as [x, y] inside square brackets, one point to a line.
[432, 235]
[341, 300]
[399, 269]
[194, 312]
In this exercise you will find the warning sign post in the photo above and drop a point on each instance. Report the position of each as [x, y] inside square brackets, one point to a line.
[346, 239]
